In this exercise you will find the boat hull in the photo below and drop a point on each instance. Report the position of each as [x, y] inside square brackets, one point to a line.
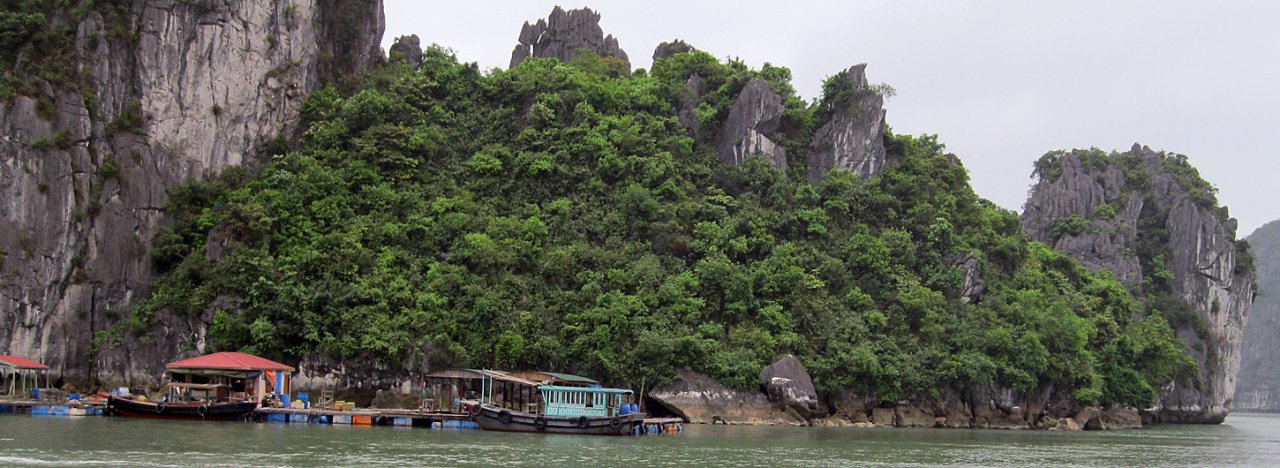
[155, 410]
[497, 419]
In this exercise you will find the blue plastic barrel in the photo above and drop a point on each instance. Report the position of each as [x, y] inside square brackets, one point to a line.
[624, 410]
[634, 408]
[73, 396]
[304, 396]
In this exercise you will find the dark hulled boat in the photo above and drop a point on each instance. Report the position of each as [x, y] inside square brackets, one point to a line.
[184, 402]
[505, 420]
[564, 410]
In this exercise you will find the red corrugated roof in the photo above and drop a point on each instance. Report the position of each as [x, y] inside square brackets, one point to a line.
[229, 361]
[21, 362]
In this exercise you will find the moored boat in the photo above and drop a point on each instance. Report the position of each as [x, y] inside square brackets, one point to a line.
[185, 401]
[563, 410]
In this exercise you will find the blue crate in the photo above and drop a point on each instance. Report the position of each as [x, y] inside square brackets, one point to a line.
[277, 417]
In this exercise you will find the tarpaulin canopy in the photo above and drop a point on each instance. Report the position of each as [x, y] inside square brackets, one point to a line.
[20, 362]
[229, 361]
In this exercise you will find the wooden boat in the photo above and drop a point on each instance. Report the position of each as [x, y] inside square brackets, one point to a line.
[200, 402]
[564, 410]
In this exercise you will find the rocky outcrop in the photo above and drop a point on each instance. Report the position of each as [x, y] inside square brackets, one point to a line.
[1150, 218]
[971, 286]
[170, 91]
[407, 49]
[700, 399]
[853, 136]
[983, 406]
[1258, 386]
[562, 34]
[754, 117]
[787, 384]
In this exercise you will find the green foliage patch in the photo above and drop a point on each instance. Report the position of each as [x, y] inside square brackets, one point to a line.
[558, 216]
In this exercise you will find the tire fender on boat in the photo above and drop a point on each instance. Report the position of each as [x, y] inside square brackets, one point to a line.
[615, 422]
[161, 406]
[202, 410]
[504, 416]
[583, 422]
[476, 409]
[540, 423]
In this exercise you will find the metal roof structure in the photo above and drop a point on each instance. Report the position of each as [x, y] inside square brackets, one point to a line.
[20, 362]
[555, 377]
[229, 361]
[585, 389]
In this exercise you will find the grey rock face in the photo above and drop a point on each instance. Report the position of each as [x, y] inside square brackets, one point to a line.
[1201, 258]
[972, 287]
[853, 137]
[701, 399]
[204, 85]
[562, 34]
[1258, 387]
[754, 117]
[787, 383]
[409, 49]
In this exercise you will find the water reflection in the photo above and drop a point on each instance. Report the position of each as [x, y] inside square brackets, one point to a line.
[1245, 439]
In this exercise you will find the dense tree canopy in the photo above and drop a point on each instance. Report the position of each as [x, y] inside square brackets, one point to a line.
[558, 216]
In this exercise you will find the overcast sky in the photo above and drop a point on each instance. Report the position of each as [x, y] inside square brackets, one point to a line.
[1001, 83]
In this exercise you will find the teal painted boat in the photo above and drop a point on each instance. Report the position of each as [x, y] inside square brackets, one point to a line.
[561, 410]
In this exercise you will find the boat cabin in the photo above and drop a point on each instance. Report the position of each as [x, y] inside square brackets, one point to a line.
[19, 376]
[583, 401]
[197, 393]
[229, 376]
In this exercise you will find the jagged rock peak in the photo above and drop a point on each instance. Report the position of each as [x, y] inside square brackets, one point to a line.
[407, 48]
[562, 34]
[754, 117]
[1148, 217]
[667, 49]
[853, 136]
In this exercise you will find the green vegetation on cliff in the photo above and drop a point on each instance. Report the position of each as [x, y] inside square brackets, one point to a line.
[558, 216]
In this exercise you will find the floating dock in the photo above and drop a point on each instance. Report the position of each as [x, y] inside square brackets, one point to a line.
[358, 417]
[47, 408]
[369, 417]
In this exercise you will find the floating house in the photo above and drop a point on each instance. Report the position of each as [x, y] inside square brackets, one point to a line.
[241, 376]
[445, 389]
[20, 376]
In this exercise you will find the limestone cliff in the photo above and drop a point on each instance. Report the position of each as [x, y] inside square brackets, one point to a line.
[754, 117]
[1258, 386]
[853, 136]
[167, 91]
[562, 34]
[1149, 218]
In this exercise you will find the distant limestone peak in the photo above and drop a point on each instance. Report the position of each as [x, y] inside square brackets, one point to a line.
[562, 34]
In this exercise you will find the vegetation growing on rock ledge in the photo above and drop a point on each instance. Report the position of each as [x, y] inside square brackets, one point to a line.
[557, 217]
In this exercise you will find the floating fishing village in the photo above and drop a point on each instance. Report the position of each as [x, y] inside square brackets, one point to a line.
[233, 386]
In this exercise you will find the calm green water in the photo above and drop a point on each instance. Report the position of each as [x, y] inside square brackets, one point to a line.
[1245, 440]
